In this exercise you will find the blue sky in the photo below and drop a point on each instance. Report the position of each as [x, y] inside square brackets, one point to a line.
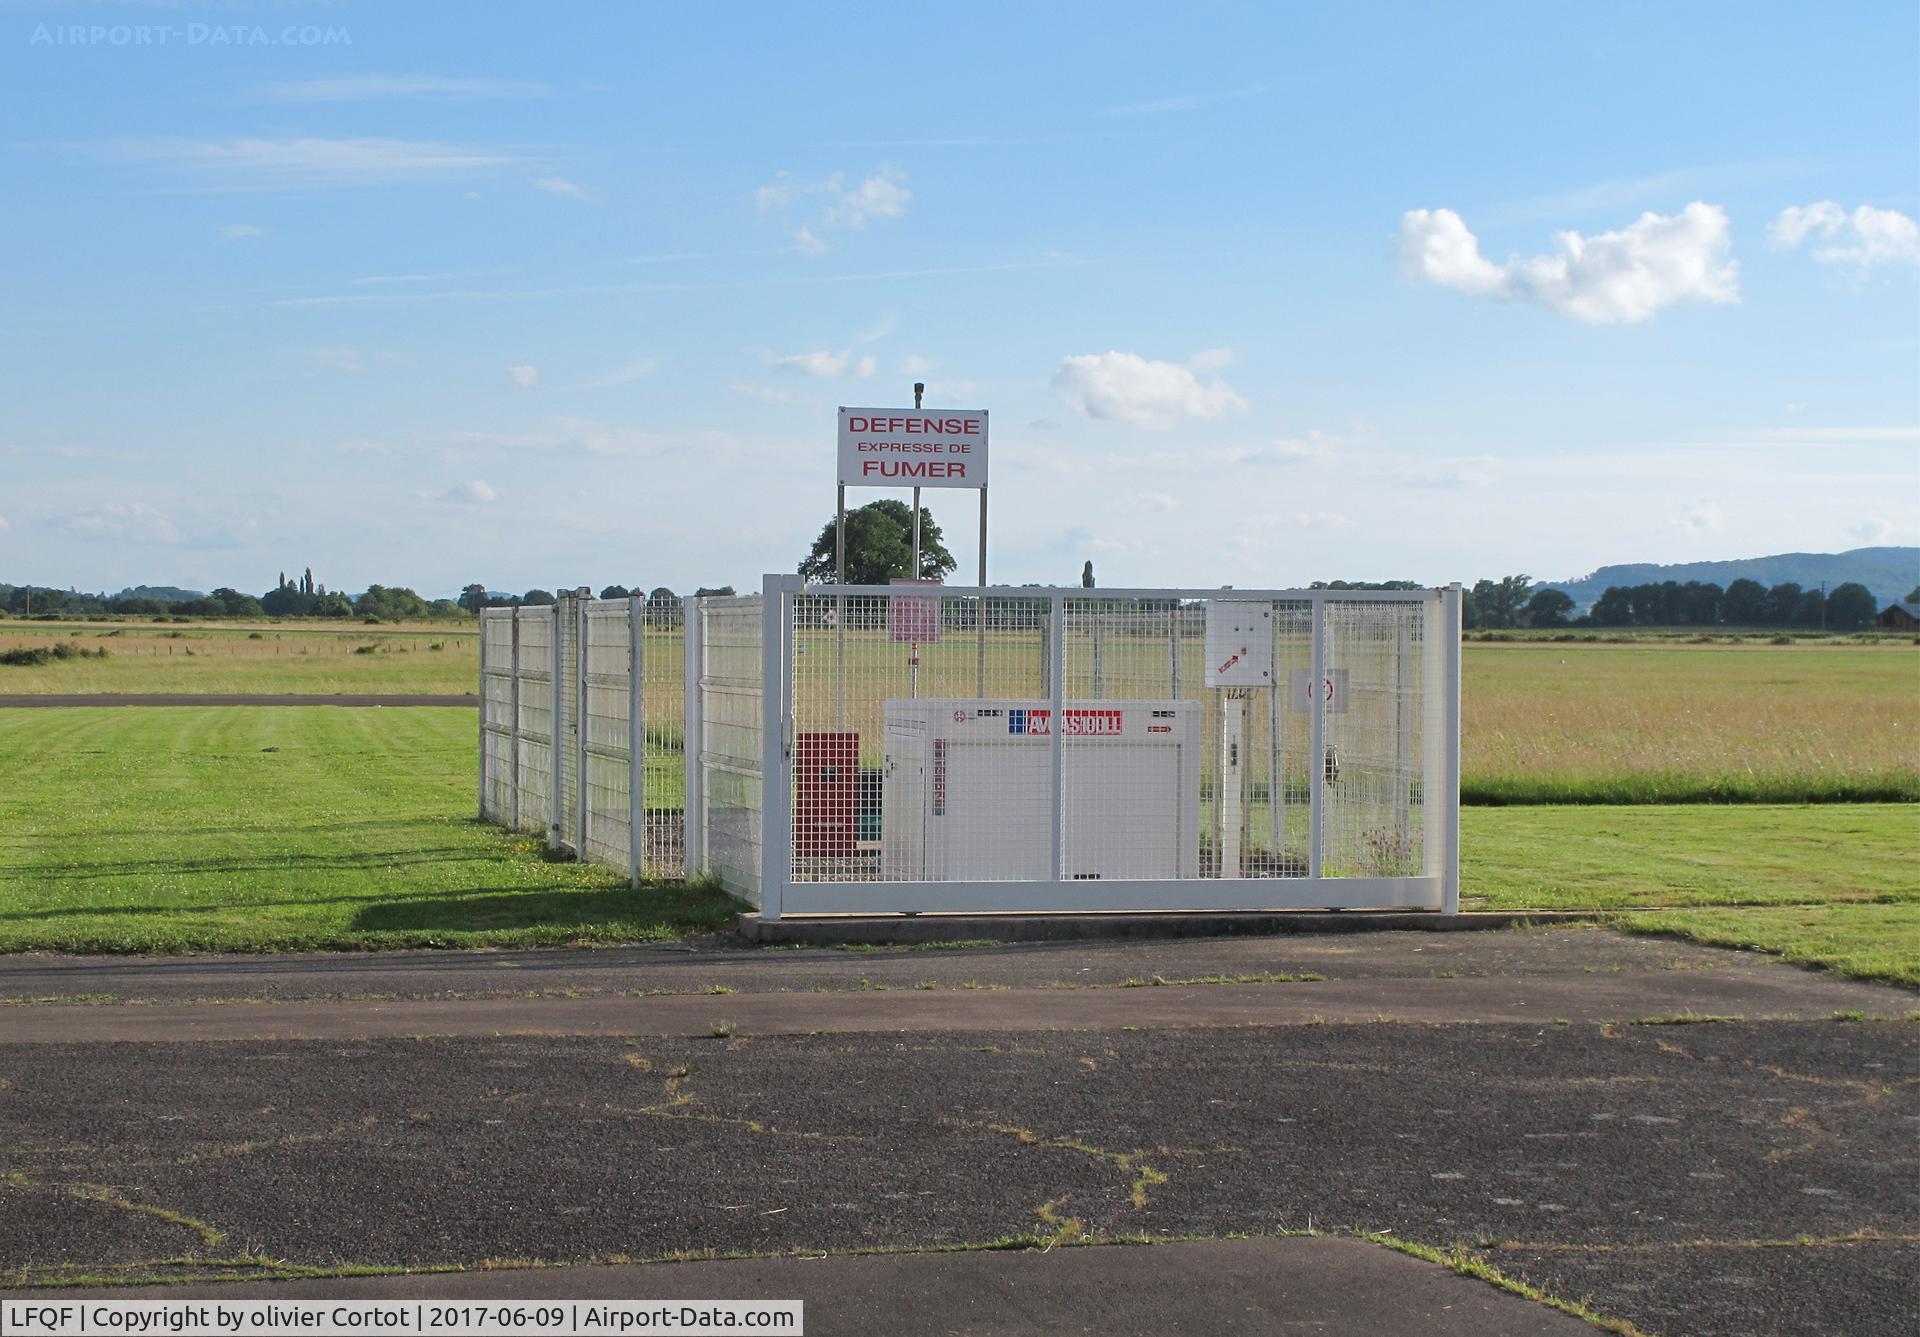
[1256, 295]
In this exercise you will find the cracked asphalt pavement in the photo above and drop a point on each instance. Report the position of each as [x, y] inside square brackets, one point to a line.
[1717, 1177]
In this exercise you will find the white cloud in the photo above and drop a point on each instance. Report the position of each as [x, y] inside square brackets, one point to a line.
[825, 363]
[1162, 502]
[950, 391]
[385, 87]
[785, 190]
[1460, 471]
[1872, 532]
[361, 446]
[1865, 238]
[1283, 450]
[915, 365]
[1125, 387]
[1185, 102]
[3, 524]
[241, 162]
[474, 492]
[881, 195]
[339, 359]
[123, 522]
[635, 370]
[769, 394]
[523, 376]
[1610, 278]
[559, 185]
[1211, 359]
[587, 436]
[241, 231]
[1322, 520]
[1704, 519]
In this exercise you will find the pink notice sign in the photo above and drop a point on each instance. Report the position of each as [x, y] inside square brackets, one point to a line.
[913, 618]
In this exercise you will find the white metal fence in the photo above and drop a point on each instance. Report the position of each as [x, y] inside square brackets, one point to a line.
[914, 749]
[604, 679]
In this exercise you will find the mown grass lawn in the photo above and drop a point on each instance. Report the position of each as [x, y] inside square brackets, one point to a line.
[260, 828]
[264, 828]
[1826, 884]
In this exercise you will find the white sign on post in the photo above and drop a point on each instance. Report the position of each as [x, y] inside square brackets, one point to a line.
[1239, 640]
[913, 447]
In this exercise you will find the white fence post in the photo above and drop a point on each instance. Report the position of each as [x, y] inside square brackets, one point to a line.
[481, 620]
[1450, 750]
[556, 764]
[636, 738]
[1056, 743]
[776, 785]
[513, 715]
[693, 738]
[1317, 764]
[580, 800]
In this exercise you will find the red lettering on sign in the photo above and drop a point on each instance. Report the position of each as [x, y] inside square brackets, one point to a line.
[913, 469]
[1089, 722]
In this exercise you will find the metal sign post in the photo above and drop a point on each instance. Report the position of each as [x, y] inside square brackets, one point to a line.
[915, 448]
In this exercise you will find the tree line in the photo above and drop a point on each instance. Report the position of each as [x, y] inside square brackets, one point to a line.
[1514, 601]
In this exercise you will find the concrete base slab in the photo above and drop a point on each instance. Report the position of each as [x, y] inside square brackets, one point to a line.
[897, 930]
[1255, 1287]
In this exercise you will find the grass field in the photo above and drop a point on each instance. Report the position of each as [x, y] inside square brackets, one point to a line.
[309, 658]
[1675, 724]
[253, 828]
[1651, 722]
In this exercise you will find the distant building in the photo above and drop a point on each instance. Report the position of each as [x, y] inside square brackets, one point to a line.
[1899, 617]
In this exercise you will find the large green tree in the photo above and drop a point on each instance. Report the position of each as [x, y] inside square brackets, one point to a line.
[1548, 608]
[1850, 607]
[880, 546]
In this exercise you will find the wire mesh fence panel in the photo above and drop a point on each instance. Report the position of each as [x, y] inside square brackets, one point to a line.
[663, 748]
[605, 673]
[1135, 756]
[496, 715]
[916, 732]
[731, 734]
[533, 672]
[1373, 729]
[566, 737]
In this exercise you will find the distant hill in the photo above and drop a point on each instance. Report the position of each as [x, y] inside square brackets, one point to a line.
[1890, 573]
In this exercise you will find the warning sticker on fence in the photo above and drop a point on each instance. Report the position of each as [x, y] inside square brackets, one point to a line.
[1331, 691]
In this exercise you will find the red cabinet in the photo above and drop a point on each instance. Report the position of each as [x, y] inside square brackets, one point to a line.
[826, 770]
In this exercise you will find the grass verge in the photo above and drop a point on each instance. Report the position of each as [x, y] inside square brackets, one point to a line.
[1872, 942]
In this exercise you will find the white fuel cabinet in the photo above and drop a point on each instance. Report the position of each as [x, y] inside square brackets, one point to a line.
[966, 793]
